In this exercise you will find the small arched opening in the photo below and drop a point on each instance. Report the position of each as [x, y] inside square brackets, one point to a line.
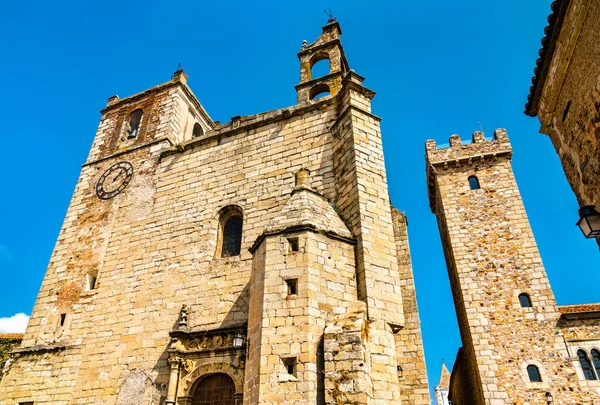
[132, 125]
[197, 131]
[525, 300]
[218, 388]
[474, 183]
[318, 91]
[534, 373]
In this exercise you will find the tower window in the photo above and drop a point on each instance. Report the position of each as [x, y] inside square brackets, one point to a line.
[231, 232]
[566, 111]
[132, 125]
[525, 300]
[91, 281]
[474, 183]
[63, 318]
[290, 365]
[586, 365]
[534, 373]
[197, 131]
[292, 286]
[293, 244]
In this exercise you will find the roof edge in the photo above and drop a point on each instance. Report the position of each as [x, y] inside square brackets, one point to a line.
[542, 64]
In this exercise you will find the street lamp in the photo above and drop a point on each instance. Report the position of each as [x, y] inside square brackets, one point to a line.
[238, 340]
[589, 221]
[549, 397]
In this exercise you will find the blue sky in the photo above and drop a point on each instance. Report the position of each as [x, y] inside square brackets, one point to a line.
[438, 68]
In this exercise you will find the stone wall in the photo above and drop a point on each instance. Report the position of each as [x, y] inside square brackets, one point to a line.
[414, 388]
[494, 258]
[123, 267]
[153, 247]
[569, 101]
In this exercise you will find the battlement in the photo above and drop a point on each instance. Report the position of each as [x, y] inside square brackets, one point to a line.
[459, 153]
[465, 156]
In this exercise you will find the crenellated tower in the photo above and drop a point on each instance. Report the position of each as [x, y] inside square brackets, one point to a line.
[512, 351]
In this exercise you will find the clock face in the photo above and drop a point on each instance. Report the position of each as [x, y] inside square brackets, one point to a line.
[114, 180]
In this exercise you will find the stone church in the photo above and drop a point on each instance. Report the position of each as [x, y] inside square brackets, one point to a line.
[257, 261]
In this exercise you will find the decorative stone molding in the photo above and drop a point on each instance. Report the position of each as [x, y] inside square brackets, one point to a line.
[194, 355]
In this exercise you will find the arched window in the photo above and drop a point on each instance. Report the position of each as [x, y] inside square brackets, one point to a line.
[318, 91]
[525, 300]
[132, 126]
[586, 365]
[474, 183]
[197, 131]
[596, 361]
[216, 388]
[231, 231]
[534, 373]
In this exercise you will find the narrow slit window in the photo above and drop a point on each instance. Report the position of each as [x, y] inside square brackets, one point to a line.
[91, 282]
[525, 301]
[534, 373]
[293, 243]
[566, 111]
[474, 183]
[63, 317]
[290, 365]
[292, 286]
[586, 365]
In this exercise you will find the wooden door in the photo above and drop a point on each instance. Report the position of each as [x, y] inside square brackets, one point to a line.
[216, 389]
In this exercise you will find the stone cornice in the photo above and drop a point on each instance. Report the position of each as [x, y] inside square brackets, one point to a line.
[145, 145]
[156, 89]
[299, 228]
[42, 348]
[246, 124]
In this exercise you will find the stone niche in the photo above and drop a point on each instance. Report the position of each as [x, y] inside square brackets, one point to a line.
[195, 355]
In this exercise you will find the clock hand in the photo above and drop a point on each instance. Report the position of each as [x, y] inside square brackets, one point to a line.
[117, 176]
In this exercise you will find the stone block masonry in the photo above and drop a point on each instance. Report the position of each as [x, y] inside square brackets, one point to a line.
[152, 296]
[492, 259]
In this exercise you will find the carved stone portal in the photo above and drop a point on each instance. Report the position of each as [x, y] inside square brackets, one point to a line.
[195, 355]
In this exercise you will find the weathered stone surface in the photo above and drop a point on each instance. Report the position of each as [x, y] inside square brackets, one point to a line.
[566, 94]
[492, 258]
[139, 306]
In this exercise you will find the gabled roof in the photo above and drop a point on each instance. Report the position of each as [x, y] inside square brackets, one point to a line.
[306, 209]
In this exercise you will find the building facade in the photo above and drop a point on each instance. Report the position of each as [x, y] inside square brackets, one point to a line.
[565, 94]
[257, 261]
[519, 347]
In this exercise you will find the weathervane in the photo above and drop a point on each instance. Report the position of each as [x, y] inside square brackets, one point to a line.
[330, 14]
